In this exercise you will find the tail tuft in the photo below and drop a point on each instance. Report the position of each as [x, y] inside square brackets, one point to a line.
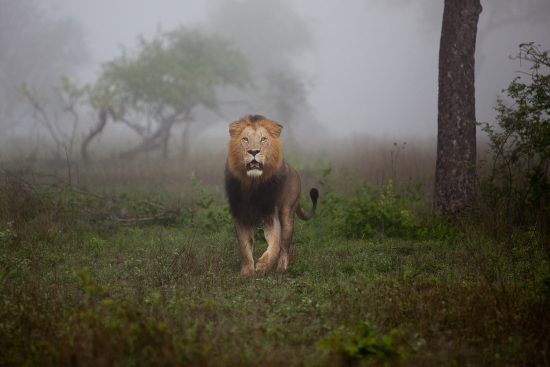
[314, 195]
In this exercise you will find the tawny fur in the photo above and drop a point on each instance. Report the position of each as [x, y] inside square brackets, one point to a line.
[263, 191]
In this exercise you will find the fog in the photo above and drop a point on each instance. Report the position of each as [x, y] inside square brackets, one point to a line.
[369, 67]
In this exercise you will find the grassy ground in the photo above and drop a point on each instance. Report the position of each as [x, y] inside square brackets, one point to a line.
[80, 288]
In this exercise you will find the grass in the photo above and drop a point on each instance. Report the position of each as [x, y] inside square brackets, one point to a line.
[79, 290]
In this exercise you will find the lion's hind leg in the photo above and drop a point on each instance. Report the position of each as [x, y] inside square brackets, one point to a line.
[287, 229]
[272, 233]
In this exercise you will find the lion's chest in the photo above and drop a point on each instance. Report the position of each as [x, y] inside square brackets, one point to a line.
[255, 204]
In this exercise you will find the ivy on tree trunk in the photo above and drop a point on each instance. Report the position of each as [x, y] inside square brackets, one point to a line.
[455, 176]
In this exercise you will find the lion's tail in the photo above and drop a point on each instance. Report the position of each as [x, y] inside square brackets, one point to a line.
[314, 195]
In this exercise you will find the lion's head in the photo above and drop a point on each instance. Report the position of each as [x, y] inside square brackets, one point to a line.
[255, 150]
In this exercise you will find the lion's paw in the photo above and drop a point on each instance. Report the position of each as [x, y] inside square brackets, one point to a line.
[247, 271]
[262, 267]
[283, 264]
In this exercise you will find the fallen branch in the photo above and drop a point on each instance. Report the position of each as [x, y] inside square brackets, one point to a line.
[102, 208]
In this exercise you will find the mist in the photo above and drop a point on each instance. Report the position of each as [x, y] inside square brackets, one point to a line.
[367, 57]
[364, 67]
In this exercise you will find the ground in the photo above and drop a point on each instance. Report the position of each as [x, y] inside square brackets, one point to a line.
[81, 289]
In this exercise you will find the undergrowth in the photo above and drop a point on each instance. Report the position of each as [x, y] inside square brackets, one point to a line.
[384, 212]
[373, 280]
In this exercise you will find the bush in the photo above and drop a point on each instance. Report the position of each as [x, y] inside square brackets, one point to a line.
[209, 211]
[362, 343]
[520, 143]
[371, 212]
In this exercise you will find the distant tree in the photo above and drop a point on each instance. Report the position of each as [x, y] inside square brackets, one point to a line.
[58, 113]
[36, 49]
[455, 176]
[279, 36]
[158, 86]
[285, 93]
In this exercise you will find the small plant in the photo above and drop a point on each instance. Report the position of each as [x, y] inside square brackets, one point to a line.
[7, 235]
[209, 211]
[362, 343]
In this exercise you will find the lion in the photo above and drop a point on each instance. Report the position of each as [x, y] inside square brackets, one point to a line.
[263, 191]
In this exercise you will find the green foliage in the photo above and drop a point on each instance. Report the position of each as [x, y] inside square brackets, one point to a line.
[520, 142]
[380, 212]
[101, 329]
[7, 235]
[362, 343]
[127, 334]
[174, 72]
[161, 84]
[209, 212]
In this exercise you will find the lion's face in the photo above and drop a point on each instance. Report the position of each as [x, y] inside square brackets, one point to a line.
[254, 148]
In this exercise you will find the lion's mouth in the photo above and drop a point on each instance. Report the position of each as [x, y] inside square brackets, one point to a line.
[254, 165]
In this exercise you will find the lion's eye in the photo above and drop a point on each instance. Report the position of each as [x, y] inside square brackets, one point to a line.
[245, 140]
[263, 139]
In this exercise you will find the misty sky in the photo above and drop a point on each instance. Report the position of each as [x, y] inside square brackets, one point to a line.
[373, 66]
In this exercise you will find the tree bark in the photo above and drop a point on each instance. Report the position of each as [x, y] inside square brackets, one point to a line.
[96, 130]
[159, 139]
[186, 142]
[455, 176]
[153, 142]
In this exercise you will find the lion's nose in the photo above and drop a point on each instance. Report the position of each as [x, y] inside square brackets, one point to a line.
[253, 152]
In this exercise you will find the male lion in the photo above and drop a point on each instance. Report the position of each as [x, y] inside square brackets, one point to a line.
[262, 191]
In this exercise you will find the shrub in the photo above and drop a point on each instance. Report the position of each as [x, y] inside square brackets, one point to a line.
[384, 212]
[362, 343]
[520, 143]
[209, 211]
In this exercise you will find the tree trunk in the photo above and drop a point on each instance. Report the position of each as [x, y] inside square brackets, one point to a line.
[96, 130]
[158, 140]
[455, 176]
[149, 143]
[165, 140]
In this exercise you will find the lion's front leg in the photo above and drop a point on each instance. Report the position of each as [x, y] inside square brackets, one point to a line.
[272, 233]
[245, 236]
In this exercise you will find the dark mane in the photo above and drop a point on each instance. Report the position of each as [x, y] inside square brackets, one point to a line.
[253, 205]
[255, 118]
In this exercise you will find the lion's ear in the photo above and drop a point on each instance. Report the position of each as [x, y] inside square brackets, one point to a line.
[235, 129]
[275, 129]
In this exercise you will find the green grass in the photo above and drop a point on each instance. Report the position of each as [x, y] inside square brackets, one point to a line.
[78, 290]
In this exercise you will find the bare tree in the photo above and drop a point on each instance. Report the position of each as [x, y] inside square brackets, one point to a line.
[455, 176]
[36, 49]
[58, 113]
